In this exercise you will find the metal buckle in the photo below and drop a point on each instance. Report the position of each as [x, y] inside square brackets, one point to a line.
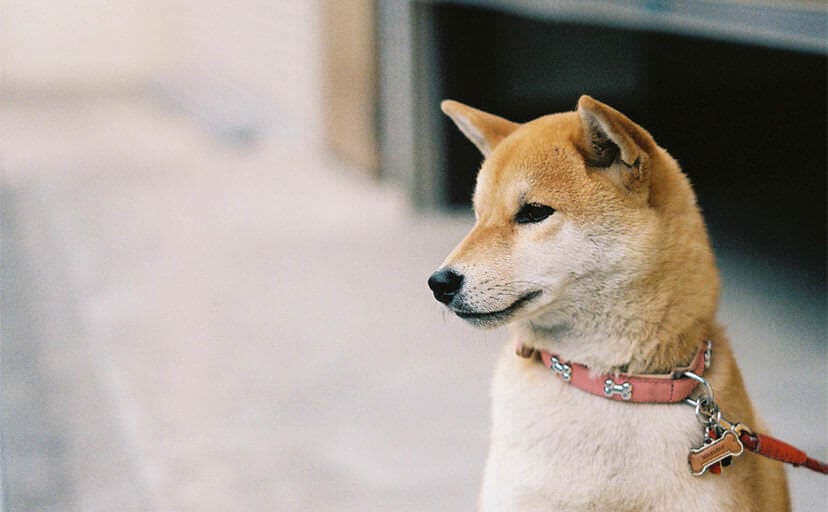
[708, 390]
[562, 370]
[623, 390]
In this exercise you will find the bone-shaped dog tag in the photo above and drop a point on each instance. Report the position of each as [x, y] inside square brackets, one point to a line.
[728, 445]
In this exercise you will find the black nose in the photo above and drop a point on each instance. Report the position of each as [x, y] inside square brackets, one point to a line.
[445, 283]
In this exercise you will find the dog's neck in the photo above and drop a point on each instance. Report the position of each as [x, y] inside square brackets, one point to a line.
[626, 333]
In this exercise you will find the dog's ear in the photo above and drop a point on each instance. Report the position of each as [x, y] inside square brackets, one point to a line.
[483, 129]
[612, 141]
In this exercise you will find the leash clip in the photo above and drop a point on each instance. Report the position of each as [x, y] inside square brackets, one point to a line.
[707, 411]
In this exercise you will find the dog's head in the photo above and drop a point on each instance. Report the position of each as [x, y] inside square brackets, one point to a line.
[573, 211]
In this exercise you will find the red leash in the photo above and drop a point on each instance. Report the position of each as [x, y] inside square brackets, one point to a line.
[778, 450]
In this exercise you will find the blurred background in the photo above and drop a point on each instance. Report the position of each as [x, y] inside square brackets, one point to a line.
[217, 220]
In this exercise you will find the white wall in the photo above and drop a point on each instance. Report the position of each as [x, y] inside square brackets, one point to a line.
[269, 48]
[58, 45]
[266, 49]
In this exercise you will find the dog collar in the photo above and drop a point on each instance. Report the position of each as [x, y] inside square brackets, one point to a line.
[644, 388]
[723, 439]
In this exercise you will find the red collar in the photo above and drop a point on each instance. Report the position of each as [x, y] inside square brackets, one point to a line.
[646, 388]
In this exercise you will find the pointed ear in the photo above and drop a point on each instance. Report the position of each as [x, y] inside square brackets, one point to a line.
[483, 129]
[611, 140]
[609, 134]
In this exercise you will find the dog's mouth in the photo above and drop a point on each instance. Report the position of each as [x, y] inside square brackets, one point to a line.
[491, 317]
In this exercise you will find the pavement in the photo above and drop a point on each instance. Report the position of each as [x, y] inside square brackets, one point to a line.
[195, 326]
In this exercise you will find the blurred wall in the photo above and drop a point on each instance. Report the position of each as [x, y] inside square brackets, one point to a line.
[261, 46]
[58, 45]
[266, 51]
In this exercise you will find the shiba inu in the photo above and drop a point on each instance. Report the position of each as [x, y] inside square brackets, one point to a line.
[589, 244]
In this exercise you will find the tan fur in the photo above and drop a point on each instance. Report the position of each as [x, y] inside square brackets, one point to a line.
[624, 280]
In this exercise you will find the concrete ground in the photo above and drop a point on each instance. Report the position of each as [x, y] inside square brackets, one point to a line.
[189, 326]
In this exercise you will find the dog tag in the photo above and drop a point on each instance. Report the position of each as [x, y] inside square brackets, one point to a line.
[714, 451]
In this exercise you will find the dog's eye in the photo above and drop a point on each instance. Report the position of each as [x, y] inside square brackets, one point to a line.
[533, 212]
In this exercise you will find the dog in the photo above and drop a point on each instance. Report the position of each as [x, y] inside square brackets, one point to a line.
[589, 243]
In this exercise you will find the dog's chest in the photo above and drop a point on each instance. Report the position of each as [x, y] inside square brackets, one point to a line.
[557, 447]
